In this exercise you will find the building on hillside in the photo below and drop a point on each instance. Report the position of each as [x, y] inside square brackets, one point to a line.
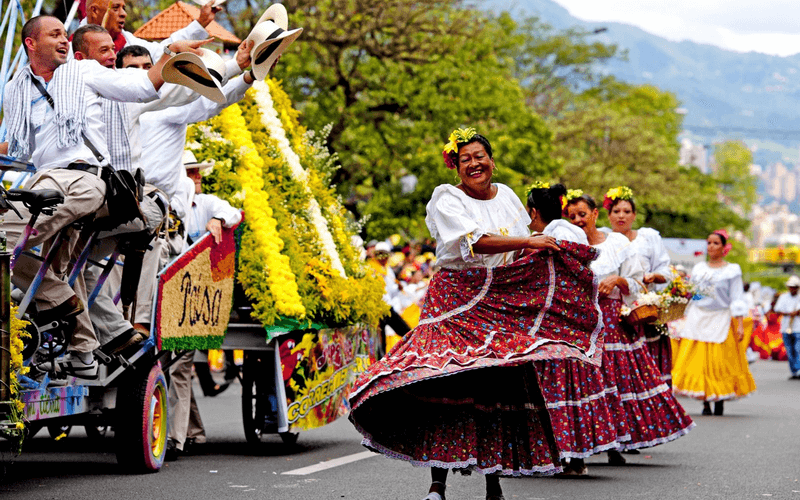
[694, 154]
[179, 15]
[775, 225]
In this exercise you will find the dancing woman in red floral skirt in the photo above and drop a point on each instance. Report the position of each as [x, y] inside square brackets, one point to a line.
[460, 391]
[583, 423]
[646, 412]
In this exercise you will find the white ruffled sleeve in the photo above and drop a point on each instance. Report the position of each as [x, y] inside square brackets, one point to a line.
[449, 222]
[738, 302]
[660, 261]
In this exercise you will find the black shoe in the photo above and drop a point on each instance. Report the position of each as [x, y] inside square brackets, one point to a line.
[718, 408]
[615, 458]
[192, 447]
[706, 409]
[173, 452]
[631, 452]
[62, 312]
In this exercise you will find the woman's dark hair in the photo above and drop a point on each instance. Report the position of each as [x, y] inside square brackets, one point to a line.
[584, 198]
[477, 138]
[722, 238]
[547, 201]
[615, 202]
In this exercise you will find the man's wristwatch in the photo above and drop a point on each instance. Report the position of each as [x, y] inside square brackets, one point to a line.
[168, 51]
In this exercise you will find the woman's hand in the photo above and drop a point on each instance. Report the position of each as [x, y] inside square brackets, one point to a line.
[738, 329]
[653, 278]
[541, 242]
[607, 286]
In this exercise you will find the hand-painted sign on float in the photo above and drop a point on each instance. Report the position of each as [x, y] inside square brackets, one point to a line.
[195, 294]
[318, 368]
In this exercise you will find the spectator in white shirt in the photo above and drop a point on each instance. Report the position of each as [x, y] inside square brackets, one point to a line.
[788, 305]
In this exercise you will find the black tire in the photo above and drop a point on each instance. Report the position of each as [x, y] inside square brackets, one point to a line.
[56, 430]
[252, 398]
[142, 419]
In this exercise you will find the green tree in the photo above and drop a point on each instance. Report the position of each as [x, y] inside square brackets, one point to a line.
[395, 78]
[737, 184]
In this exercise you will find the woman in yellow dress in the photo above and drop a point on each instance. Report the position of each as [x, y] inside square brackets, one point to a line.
[709, 363]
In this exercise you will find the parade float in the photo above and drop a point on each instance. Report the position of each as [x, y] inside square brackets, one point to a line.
[305, 308]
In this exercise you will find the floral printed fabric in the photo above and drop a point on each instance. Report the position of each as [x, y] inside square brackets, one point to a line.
[645, 411]
[583, 423]
[460, 390]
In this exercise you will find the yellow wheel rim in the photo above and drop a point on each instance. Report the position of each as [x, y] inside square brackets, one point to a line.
[158, 421]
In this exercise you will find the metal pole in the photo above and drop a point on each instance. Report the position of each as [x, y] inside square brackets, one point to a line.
[5, 320]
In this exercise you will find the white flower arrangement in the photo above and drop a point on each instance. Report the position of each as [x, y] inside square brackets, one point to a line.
[272, 122]
[648, 299]
[625, 311]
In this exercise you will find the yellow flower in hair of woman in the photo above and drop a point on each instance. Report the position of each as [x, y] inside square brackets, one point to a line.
[617, 193]
[451, 148]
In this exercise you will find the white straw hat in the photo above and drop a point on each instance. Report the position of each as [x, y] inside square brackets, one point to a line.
[204, 74]
[190, 162]
[271, 37]
[793, 281]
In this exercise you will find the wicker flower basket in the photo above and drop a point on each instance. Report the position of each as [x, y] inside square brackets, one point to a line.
[674, 311]
[643, 315]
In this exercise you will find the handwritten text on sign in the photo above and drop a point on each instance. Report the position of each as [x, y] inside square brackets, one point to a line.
[195, 295]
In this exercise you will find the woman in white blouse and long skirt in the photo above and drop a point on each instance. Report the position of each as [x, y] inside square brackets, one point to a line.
[647, 244]
[710, 365]
[646, 412]
[583, 422]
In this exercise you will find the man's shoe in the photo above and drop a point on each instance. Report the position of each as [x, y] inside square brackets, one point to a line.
[122, 342]
[62, 312]
[72, 365]
[172, 452]
[718, 408]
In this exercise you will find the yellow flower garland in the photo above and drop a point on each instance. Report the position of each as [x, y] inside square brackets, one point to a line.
[259, 216]
[17, 407]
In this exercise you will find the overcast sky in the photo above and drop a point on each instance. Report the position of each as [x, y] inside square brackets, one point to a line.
[768, 26]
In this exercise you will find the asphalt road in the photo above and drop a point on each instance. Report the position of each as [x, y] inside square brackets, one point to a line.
[753, 451]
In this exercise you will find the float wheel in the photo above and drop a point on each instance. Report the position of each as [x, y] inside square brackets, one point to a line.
[141, 428]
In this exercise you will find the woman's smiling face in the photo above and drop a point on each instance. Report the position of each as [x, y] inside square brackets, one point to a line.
[581, 215]
[474, 166]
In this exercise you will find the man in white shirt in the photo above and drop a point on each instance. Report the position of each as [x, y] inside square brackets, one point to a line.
[788, 305]
[208, 213]
[52, 139]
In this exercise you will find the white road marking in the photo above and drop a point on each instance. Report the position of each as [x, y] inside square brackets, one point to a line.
[336, 462]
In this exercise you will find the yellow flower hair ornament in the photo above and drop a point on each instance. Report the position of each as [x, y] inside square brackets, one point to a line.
[572, 194]
[451, 148]
[617, 193]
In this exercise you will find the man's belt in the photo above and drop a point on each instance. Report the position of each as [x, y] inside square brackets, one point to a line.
[85, 167]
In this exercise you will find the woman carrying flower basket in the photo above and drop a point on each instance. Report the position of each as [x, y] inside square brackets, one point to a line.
[709, 364]
[646, 412]
[460, 391]
[583, 423]
[647, 244]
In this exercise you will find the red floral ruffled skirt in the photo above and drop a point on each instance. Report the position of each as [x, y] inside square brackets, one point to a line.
[660, 349]
[646, 412]
[460, 391]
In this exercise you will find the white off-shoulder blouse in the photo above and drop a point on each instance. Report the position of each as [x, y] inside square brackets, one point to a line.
[457, 221]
